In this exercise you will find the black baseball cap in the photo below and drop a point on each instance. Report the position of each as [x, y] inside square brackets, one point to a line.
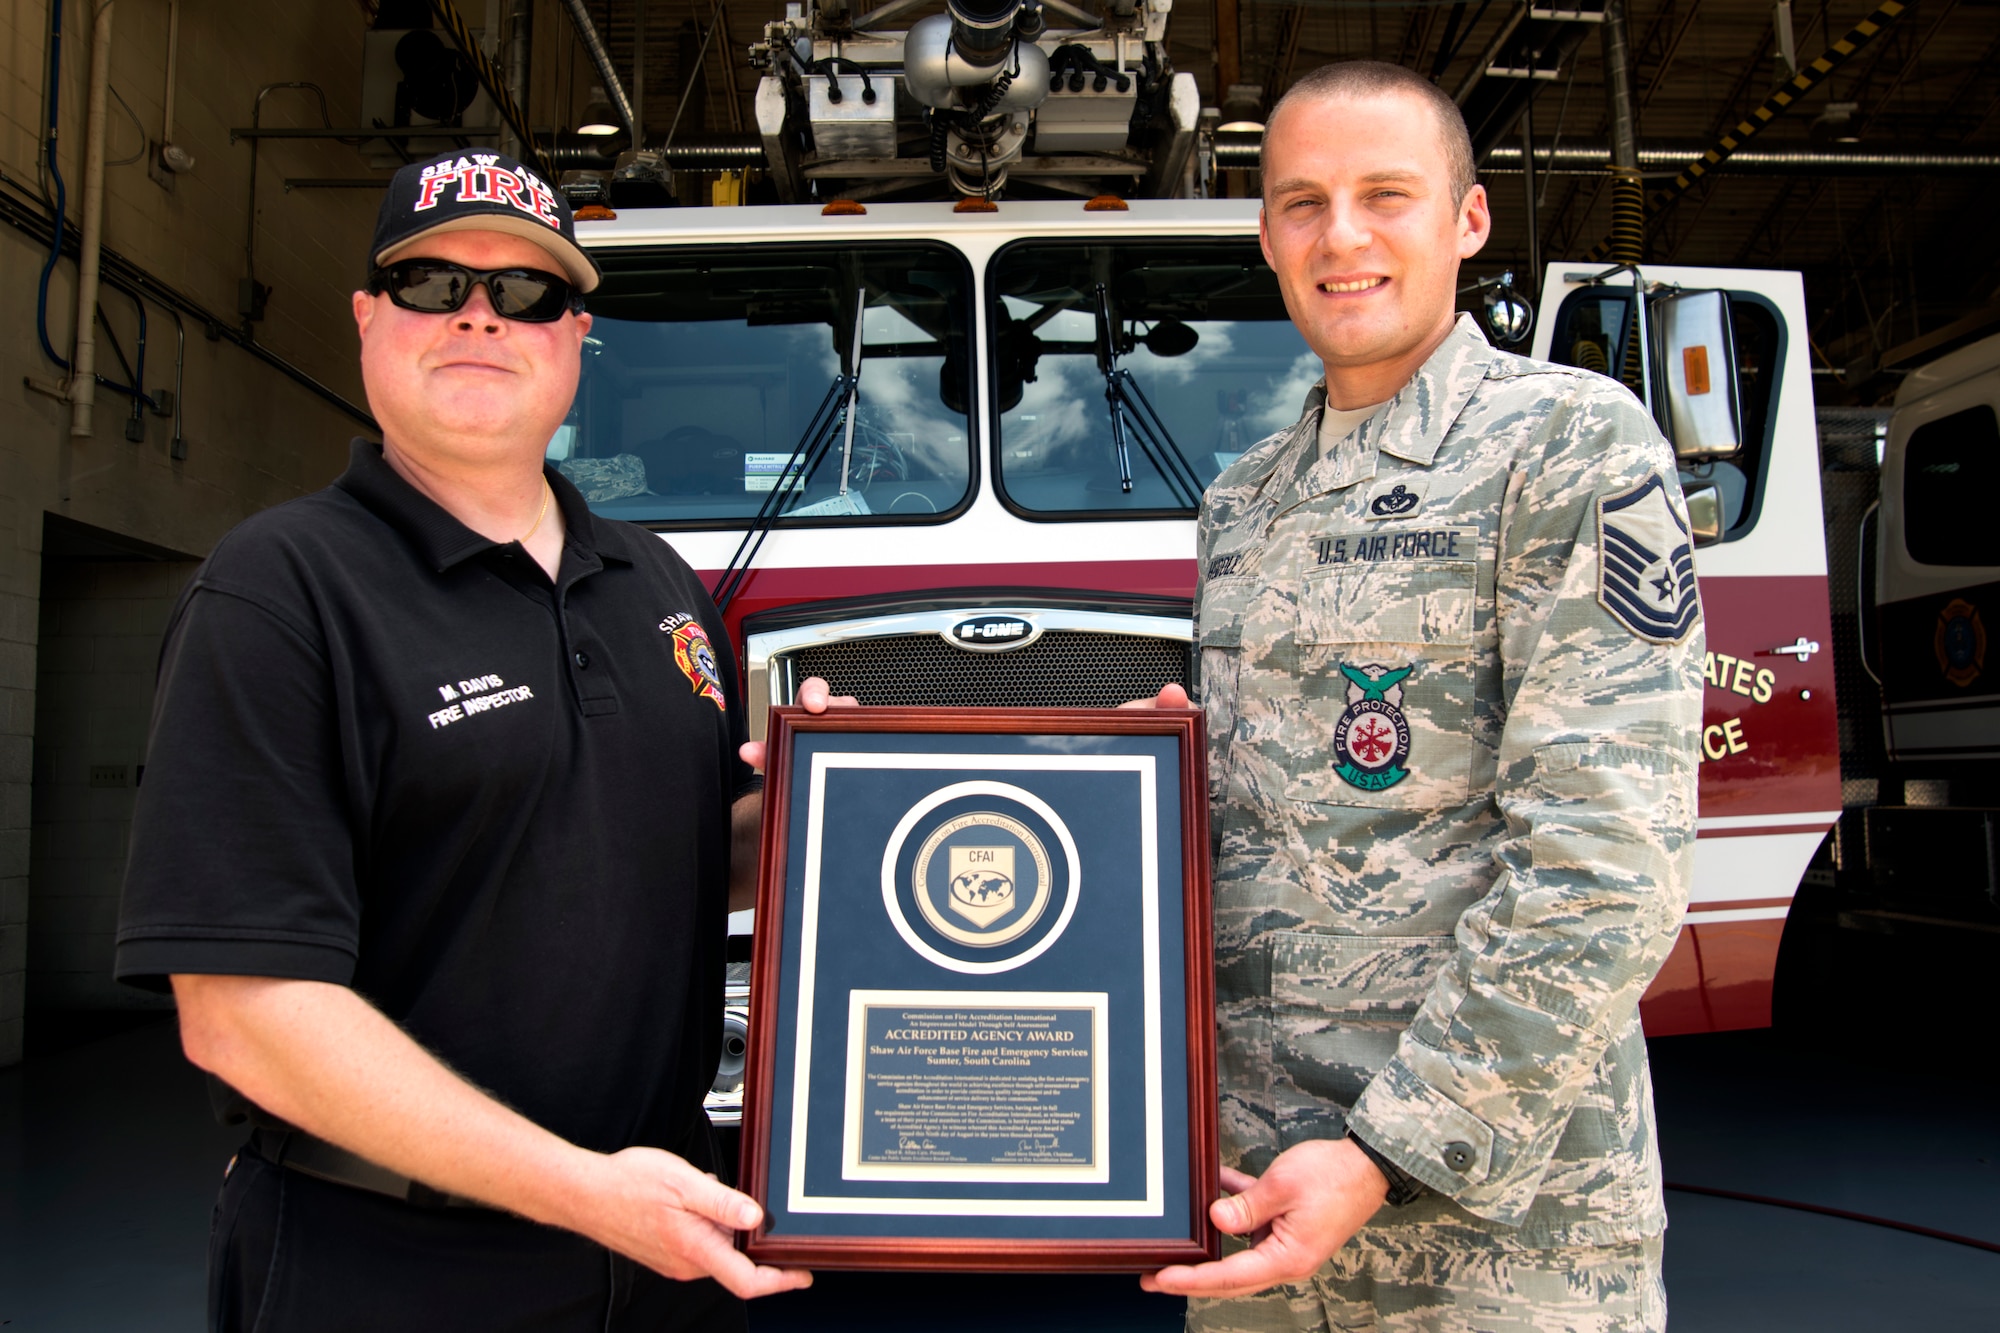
[479, 191]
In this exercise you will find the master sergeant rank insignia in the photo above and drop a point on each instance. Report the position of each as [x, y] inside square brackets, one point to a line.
[1645, 569]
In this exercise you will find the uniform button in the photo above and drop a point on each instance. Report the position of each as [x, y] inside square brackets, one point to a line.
[582, 660]
[1458, 1156]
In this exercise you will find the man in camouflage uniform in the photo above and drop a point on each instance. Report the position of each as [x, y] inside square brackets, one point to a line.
[1451, 664]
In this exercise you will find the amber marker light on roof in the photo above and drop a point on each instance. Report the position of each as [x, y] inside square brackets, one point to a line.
[972, 204]
[842, 208]
[595, 213]
[1106, 203]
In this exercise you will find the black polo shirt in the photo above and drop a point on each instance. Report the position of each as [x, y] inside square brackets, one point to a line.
[391, 754]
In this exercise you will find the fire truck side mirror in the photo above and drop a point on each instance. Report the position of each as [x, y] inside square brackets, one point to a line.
[1696, 396]
[1704, 502]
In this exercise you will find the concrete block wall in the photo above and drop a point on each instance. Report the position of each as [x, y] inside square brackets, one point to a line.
[255, 438]
[101, 623]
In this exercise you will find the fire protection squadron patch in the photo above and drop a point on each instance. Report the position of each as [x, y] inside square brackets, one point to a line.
[695, 656]
[1372, 738]
[1645, 576]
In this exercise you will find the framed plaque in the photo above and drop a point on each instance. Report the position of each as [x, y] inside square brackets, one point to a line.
[982, 1009]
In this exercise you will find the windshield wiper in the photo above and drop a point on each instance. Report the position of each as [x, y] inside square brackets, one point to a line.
[842, 399]
[842, 503]
[1132, 415]
[804, 460]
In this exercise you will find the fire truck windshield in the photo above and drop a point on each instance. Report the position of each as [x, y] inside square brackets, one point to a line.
[1200, 327]
[704, 366]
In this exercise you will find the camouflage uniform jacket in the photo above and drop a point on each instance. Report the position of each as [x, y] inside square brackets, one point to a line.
[1452, 680]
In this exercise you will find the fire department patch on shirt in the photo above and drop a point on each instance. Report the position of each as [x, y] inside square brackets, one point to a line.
[1645, 577]
[694, 655]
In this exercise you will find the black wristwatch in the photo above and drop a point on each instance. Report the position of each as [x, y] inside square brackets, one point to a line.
[1403, 1186]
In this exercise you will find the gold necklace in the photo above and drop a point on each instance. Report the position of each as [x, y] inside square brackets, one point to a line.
[546, 493]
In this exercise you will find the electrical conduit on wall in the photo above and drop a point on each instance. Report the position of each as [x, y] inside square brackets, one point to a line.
[83, 376]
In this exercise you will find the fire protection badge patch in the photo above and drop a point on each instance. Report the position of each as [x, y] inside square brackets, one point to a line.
[1372, 738]
[1645, 573]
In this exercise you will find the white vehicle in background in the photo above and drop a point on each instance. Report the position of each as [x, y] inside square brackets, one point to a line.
[1918, 847]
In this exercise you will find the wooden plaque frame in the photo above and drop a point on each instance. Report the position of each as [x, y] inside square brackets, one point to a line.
[918, 1251]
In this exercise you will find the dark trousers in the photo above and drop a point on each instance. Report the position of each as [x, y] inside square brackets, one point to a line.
[293, 1254]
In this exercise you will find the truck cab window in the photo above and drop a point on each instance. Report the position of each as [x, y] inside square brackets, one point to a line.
[1199, 329]
[1951, 468]
[706, 366]
[1595, 331]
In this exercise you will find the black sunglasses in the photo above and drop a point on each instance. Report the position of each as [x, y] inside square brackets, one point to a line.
[439, 287]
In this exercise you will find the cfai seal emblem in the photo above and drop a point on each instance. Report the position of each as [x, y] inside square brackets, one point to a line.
[1960, 642]
[980, 877]
[993, 883]
[695, 656]
[1372, 738]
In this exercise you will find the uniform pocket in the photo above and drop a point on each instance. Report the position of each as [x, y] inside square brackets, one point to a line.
[1219, 637]
[1339, 1004]
[1386, 679]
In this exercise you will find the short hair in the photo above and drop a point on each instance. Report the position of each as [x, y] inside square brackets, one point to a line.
[1375, 78]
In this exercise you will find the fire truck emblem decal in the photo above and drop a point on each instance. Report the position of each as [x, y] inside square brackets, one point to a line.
[1960, 642]
[993, 632]
[1645, 571]
[1372, 738]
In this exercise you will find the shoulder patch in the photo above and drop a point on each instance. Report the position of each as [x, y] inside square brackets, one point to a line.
[1645, 572]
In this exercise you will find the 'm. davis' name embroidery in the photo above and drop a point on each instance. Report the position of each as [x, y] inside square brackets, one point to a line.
[481, 694]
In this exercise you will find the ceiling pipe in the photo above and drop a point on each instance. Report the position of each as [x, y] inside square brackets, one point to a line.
[520, 33]
[714, 152]
[1664, 156]
[1628, 195]
[600, 60]
[1803, 160]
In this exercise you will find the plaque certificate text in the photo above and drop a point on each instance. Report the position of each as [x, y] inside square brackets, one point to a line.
[976, 1086]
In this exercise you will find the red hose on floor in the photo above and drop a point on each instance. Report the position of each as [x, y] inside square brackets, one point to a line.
[1841, 1213]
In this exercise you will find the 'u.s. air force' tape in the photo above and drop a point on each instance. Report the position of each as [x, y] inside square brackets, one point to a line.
[1646, 576]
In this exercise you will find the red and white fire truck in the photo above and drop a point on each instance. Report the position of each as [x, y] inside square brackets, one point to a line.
[951, 453]
[951, 458]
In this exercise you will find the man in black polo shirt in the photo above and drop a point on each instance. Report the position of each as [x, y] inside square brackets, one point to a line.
[435, 847]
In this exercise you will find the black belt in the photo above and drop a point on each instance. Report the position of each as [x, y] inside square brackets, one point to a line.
[301, 1152]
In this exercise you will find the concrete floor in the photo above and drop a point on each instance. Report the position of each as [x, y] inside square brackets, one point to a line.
[108, 1163]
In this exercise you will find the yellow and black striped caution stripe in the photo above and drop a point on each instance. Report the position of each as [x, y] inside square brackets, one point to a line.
[1774, 106]
[489, 79]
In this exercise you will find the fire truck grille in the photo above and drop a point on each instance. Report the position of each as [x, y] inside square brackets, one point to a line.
[1062, 669]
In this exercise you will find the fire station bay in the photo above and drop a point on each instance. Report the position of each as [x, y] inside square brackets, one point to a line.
[1564, 574]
